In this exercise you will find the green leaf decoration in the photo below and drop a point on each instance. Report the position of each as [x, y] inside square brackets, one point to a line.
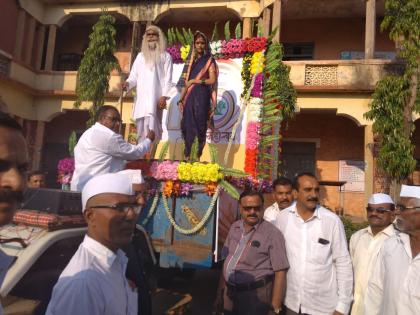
[227, 31]
[180, 37]
[259, 30]
[187, 36]
[194, 150]
[95, 68]
[182, 150]
[163, 151]
[213, 152]
[72, 142]
[215, 34]
[233, 172]
[229, 189]
[268, 139]
[238, 31]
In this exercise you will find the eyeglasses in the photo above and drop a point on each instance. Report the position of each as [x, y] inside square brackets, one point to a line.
[404, 208]
[152, 34]
[378, 210]
[121, 207]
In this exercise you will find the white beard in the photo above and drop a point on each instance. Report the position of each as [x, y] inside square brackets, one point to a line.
[151, 54]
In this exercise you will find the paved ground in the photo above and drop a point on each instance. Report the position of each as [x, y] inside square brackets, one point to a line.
[201, 285]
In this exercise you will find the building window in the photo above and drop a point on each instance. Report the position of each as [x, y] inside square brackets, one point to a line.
[298, 51]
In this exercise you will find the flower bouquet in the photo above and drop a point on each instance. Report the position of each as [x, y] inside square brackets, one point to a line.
[65, 169]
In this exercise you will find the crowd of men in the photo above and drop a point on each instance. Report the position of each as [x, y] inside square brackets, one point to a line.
[305, 267]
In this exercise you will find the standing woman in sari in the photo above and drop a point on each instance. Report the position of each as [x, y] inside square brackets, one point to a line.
[199, 93]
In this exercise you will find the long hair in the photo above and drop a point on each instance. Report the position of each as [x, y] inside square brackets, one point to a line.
[152, 56]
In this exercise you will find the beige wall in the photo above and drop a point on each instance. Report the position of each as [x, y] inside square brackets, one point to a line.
[339, 139]
[332, 36]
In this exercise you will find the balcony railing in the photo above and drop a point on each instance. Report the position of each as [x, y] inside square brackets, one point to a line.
[305, 75]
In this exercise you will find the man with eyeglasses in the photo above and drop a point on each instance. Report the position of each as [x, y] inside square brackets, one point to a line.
[366, 243]
[254, 272]
[151, 74]
[94, 281]
[101, 149]
[394, 286]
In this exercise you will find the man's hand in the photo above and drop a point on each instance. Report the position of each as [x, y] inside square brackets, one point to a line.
[124, 86]
[162, 103]
[151, 135]
[337, 313]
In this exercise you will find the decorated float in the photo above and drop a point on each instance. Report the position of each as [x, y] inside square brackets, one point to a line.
[192, 203]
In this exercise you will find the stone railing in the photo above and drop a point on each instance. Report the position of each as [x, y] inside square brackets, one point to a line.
[313, 74]
[348, 74]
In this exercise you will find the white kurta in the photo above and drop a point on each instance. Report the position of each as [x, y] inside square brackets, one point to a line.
[151, 83]
[364, 250]
[94, 283]
[100, 151]
[394, 286]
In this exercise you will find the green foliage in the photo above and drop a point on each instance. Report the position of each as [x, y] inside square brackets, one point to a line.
[96, 66]
[387, 111]
[215, 34]
[396, 97]
[180, 37]
[229, 189]
[163, 151]
[194, 151]
[350, 227]
[279, 104]
[213, 152]
[188, 35]
[227, 31]
[259, 30]
[238, 31]
[170, 37]
[72, 142]
[233, 172]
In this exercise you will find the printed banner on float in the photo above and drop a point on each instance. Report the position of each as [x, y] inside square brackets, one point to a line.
[227, 110]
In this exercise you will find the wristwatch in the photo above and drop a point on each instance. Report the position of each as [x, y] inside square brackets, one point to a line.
[275, 310]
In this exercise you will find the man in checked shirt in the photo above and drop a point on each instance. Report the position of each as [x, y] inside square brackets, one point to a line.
[254, 270]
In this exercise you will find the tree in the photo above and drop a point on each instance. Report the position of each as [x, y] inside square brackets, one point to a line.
[396, 97]
[96, 66]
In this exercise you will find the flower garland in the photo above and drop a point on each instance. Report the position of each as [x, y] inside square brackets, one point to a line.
[221, 49]
[201, 224]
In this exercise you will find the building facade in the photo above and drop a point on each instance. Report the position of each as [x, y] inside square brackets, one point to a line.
[334, 48]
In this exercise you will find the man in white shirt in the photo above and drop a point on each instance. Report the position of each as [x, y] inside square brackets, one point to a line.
[320, 277]
[394, 286]
[282, 195]
[151, 73]
[94, 281]
[101, 149]
[366, 243]
[13, 166]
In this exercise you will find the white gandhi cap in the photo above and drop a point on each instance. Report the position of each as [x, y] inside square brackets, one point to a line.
[410, 191]
[107, 183]
[380, 198]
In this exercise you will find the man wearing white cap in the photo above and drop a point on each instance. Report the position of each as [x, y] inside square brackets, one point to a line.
[366, 243]
[394, 286]
[94, 281]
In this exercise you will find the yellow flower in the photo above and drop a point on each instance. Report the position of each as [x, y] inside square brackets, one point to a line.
[257, 65]
[199, 173]
[185, 50]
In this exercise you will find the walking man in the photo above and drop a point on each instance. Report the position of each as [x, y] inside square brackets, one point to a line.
[320, 277]
[254, 271]
[394, 286]
[283, 197]
[151, 74]
[366, 243]
[101, 149]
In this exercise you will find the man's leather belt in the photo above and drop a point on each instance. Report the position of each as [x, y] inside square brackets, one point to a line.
[250, 285]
